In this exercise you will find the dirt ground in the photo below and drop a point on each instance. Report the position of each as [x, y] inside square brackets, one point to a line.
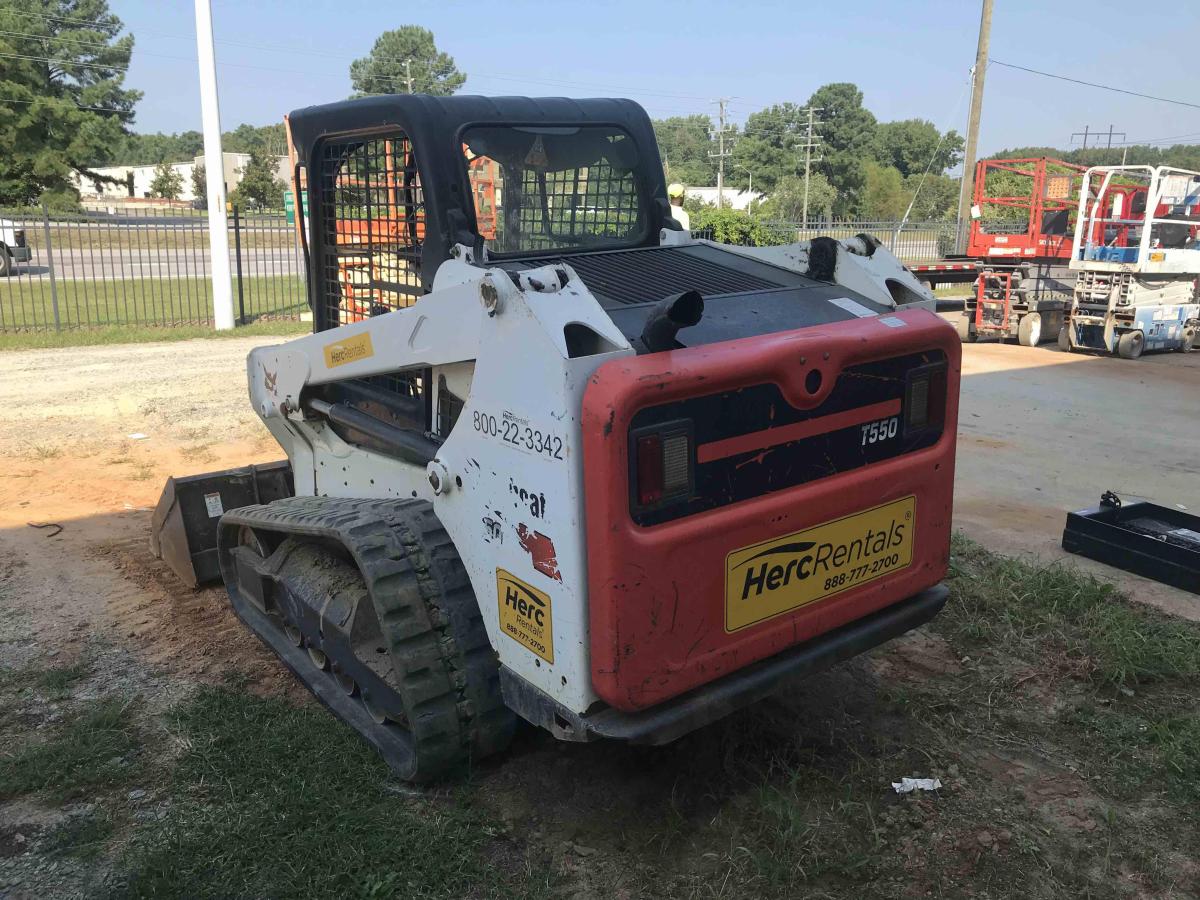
[93, 432]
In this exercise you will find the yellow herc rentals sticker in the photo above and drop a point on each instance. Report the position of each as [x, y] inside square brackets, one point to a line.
[349, 350]
[785, 573]
[525, 614]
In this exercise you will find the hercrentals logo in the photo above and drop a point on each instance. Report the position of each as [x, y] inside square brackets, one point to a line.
[525, 614]
[779, 575]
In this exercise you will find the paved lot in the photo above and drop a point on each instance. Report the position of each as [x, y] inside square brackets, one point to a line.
[1042, 432]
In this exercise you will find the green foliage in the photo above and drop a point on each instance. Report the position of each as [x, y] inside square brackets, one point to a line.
[732, 226]
[66, 115]
[199, 183]
[786, 201]
[684, 144]
[92, 749]
[1068, 613]
[330, 823]
[884, 198]
[167, 182]
[848, 134]
[909, 145]
[937, 200]
[150, 149]
[270, 140]
[260, 184]
[405, 54]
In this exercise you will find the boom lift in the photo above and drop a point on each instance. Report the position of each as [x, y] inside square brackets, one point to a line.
[572, 465]
[1137, 255]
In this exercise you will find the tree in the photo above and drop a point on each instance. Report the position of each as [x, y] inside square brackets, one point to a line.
[937, 200]
[269, 139]
[786, 201]
[911, 144]
[406, 61]
[167, 182]
[884, 198]
[200, 184]
[151, 149]
[260, 185]
[64, 109]
[684, 143]
[847, 135]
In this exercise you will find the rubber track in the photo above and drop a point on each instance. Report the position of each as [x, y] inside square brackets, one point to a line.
[448, 676]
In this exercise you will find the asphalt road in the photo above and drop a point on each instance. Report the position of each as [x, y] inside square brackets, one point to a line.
[123, 263]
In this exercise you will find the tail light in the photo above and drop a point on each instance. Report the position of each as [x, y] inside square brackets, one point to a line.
[924, 398]
[663, 464]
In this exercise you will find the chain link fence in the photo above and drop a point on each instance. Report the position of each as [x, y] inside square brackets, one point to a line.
[150, 267]
[143, 267]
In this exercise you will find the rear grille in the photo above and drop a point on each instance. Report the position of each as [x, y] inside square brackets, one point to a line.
[640, 276]
[752, 441]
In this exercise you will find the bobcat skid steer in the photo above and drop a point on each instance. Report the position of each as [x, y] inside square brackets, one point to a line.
[555, 460]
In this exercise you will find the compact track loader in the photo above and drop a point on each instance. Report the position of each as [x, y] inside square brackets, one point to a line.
[554, 459]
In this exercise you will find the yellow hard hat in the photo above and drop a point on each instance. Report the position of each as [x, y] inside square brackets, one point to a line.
[675, 189]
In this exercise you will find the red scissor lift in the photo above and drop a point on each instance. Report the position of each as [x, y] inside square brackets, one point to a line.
[1023, 286]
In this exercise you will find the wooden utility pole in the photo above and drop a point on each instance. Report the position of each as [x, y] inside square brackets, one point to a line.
[966, 190]
[721, 152]
[808, 157]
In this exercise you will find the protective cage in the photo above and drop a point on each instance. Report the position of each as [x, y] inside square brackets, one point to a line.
[371, 213]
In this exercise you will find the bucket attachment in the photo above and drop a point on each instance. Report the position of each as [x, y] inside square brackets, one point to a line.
[183, 530]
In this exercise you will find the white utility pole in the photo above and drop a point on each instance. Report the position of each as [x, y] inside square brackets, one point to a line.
[809, 145]
[408, 74]
[721, 153]
[214, 163]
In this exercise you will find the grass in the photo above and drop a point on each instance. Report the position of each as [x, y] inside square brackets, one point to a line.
[28, 305]
[1060, 614]
[135, 334]
[55, 682]
[92, 749]
[273, 800]
[1063, 720]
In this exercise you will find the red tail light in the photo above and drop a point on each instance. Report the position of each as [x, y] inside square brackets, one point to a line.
[649, 469]
[662, 465]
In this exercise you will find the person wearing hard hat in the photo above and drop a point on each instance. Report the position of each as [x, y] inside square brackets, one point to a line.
[678, 213]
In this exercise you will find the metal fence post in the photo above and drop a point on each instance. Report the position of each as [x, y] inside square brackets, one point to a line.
[237, 255]
[50, 264]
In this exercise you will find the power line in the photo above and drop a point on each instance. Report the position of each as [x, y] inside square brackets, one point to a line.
[1106, 87]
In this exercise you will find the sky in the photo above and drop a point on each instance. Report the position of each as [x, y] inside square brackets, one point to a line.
[911, 58]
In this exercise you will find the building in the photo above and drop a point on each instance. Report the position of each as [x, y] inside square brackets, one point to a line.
[733, 199]
[133, 182]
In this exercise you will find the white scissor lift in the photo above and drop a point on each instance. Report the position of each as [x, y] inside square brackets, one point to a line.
[1137, 255]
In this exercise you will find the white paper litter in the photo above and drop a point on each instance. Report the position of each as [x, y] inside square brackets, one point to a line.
[908, 785]
[137, 436]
